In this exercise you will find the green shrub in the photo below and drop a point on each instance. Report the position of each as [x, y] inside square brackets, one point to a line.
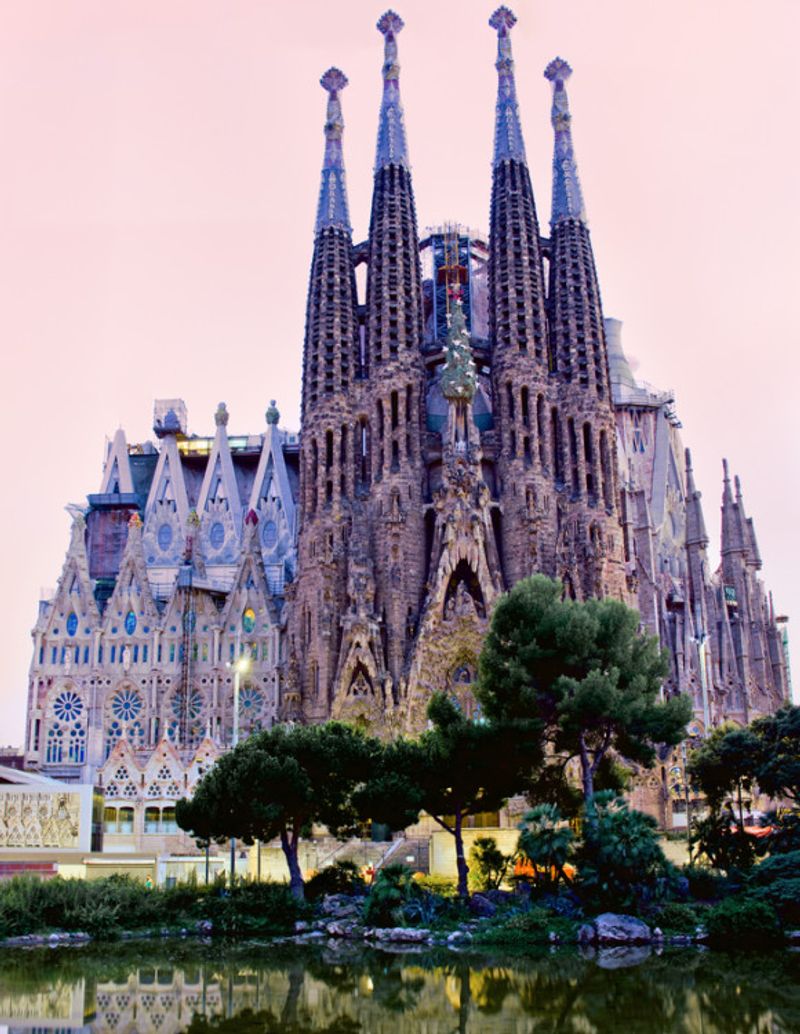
[786, 833]
[705, 884]
[620, 862]
[266, 908]
[776, 867]
[393, 886]
[742, 922]
[677, 918]
[339, 878]
[518, 930]
[441, 885]
[725, 846]
[784, 896]
[547, 842]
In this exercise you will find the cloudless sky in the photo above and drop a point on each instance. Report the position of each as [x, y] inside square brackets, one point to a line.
[158, 182]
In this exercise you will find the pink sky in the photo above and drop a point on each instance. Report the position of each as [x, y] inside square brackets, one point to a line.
[157, 192]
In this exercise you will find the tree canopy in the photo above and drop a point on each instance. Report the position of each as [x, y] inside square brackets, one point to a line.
[777, 768]
[278, 783]
[455, 769]
[583, 670]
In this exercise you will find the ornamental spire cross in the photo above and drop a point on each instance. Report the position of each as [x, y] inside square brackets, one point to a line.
[508, 142]
[392, 148]
[333, 210]
[567, 194]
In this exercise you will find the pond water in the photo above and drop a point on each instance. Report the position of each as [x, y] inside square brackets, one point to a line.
[344, 989]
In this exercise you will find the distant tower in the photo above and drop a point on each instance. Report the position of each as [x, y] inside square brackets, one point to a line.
[518, 330]
[589, 548]
[392, 393]
[329, 366]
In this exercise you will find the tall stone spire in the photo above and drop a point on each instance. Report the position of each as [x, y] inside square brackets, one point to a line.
[567, 195]
[508, 142]
[392, 148]
[576, 315]
[330, 357]
[332, 210]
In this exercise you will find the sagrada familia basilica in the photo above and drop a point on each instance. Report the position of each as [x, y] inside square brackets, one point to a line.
[468, 422]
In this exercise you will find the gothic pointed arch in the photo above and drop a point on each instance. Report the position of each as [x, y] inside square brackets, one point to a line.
[167, 509]
[219, 503]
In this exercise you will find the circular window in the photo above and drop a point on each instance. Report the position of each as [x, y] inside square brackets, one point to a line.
[249, 620]
[269, 534]
[127, 704]
[130, 622]
[250, 700]
[217, 535]
[193, 704]
[68, 706]
[72, 624]
[164, 537]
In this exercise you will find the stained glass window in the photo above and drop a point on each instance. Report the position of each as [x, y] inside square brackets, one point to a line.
[72, 624]
[249, 620]
[217, 535]
[164, 537]
[130, 622]
[68, 706]
[126, 704]
[269, 534]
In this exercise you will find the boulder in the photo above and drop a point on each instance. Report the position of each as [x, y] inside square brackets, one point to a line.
[459, 939]
[341, 906]
[399, 935]
[480, 905]
[610, 928]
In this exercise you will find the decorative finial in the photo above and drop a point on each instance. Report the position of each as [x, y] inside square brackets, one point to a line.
[193, 519]
[508, 142]
[332, 210]
[503, 20]
[221, 415]
[272, 415]
[251, 518]
[725, 474]
[688, 456]
[567, 194]
[392, 148]
[135, 521]
[459, 380]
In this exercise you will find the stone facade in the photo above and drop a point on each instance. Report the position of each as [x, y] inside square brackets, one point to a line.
[176, 571]
[485, 426]
[471, 421]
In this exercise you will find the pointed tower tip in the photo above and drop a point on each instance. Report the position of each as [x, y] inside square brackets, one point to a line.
[392, 148]
[221, 415]
[503, 20]
[558, 71]
[333, 80]
[390, 23]
[333, 210]
[567, 193]
[725, 474]
[687, 453]
[508, 142]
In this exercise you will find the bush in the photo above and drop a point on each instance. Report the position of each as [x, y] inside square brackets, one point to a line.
[251, 908]
[776, 867]
[488, 865]
[339, 878]
[518, 930]
[620, 862]
[783, 895]
[393, 886]
[705, 884]
[441, 885]
[547, 842]
[742, 922]
[724, 844]
[786, 833]
[677, 918]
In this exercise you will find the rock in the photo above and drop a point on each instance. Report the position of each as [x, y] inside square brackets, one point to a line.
[793, 936]
[341, 929]
[480, 905]
[459, 939]
[301, 926]
[553, 937]
[341, 906]
[611, 928]
[658, 933]
[398, 935]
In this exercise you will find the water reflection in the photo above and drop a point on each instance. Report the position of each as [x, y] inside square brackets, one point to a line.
[344, 990]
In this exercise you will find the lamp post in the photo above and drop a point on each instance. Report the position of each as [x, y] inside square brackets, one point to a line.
[240, 667]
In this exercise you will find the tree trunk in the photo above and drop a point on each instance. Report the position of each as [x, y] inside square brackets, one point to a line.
[289, 846]
[587, 773]
[461, 862]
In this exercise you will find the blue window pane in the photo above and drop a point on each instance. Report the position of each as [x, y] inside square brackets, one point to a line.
[72, 624]
[164, 537]
[130, 622]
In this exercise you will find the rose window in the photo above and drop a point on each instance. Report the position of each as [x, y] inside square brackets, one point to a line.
[126, 705]
[68, 706]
